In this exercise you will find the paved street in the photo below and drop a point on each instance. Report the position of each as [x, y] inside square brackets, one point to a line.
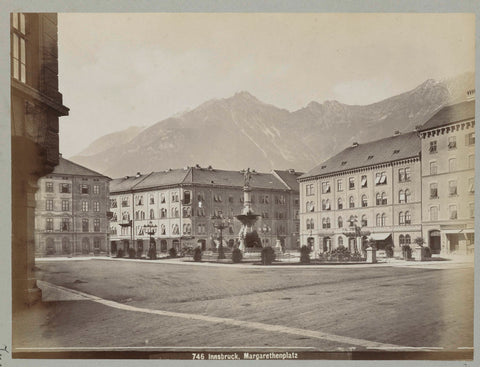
[142, 304]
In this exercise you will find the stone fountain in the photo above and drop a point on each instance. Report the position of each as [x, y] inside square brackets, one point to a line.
[247, 216]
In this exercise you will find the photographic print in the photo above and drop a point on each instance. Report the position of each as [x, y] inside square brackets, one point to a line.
[243, 186]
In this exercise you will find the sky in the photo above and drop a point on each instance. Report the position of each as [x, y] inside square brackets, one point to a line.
[120, 70]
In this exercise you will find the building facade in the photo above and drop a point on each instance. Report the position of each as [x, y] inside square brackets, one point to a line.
[36, 106]
[185, 204]
[448, 178]
[374, 187]
[71, 212]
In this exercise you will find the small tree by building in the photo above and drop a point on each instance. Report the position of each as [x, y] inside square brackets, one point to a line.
[305, 254]
[197, 254]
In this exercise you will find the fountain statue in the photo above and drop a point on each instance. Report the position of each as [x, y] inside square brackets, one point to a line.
[247, 216]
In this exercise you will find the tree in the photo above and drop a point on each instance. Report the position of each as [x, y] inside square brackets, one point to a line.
[419, 241]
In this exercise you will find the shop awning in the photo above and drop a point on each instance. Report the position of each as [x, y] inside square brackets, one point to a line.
[379, 236]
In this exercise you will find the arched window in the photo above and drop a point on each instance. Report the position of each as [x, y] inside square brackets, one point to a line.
[351, 202]
[307, 206]
[152, 214]
[407, 195]
[434, 213]
[408, 218]
[312, 224]
[401, 196]
[378, 220]
[401, 218]
[378, 198]
[65, 245]
[136, 215]
[50, 247]
[327, 204]
[152, 199]
[402, 239]
[408, 240]
[163, 230]
[351, 221]
[312, 206]
[324, 223]
[340, 203]
[308, 223]
[384, 198]
[384, 219]
[142, 214]
[340, 241]
[364, 201]
[324, 205]
[364, 220]
[340, 222]
[327, 222]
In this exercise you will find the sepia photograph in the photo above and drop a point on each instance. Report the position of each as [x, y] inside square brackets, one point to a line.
[242, 185]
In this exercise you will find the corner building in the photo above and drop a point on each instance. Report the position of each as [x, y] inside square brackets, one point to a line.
[448, 178]
[375, 186]
[71, 214]
[184, 204]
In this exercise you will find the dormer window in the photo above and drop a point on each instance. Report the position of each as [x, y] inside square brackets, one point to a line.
[396, 151]
[369, 157]
[344, 163]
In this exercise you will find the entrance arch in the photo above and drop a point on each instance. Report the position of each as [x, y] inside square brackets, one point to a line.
[66, 250]
[327, 244]
[50, 247]
[310, 243]
[434, 241]
[85, 245]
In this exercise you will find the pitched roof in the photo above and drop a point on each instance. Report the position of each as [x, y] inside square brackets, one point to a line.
[384, 150]
[198, 176]
[289, 178]
[66, 167]
[450, 114]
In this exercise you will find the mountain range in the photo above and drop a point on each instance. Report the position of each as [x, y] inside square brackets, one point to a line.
[241, 131]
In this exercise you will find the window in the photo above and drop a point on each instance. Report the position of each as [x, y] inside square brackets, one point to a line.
[84, 206]
[471, 161]
[325, 187]
[96, 189]
[407, 195]
[114, 217]
[186, 212]
[364, 201]
[152, 214]
[175, 229]
[340, 241]
[404, 174]
[401, 197]
[187, 198]
[408, 218]
[363, 181]
[433, 190]
[378, 198]
[113, 203]
[96, 206]
[310, 224]
[472, 210]
[49, 224]
[19, 57]
[49, 205]
[352, 221]
[201, 212]
[401, 239]
[84, 225]
[351, 202]
[380, 178]
[384, 219]
[187, 228]
[340, 222]
[471, 185]
[230, 199]
[364, 220]
[433, 147]
[344, 163]
[326, 204]
[152, 199]
[96, 225]
[65, 205]
[65, 188]
[408, 240]
[163, 230]
[433, 168]
[433, 213]
[49, 186]
[325, 223]
[340, 203]
[309, 189]
[162, 198]
[163, 213]
[378, 220]
[351, 183]
[452, 209]
[451, 164]
[452, 188]
[340, 185]
[139, 200]
[452, 142]
[84, 188]
[401, 218]
[470, 139]
[126, 216]
[384, 199]
[125, 201]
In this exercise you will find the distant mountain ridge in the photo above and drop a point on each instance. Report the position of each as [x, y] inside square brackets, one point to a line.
[241, 131]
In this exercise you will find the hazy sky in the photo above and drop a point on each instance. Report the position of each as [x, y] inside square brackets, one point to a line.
[119, 70]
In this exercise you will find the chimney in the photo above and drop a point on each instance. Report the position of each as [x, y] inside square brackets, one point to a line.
[396, 132]
[138, 175]
[291, 170]
[355, 144]
[470, 94]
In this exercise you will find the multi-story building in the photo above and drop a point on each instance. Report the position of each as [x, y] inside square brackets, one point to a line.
[375, 187]
[448, 178]
[36, 106]
[184, 205]
[71, 211]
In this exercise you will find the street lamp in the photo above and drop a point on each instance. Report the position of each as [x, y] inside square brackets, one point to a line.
[150, 229]
[221, 225]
